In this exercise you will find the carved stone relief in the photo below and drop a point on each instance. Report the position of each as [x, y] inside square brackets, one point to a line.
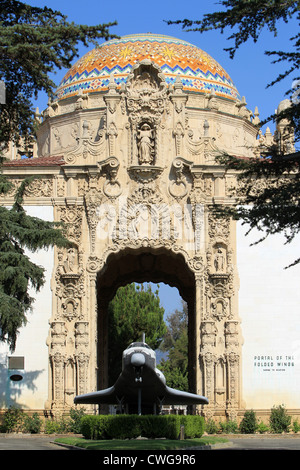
[68, 337]
[142, 172]
[86, 148]
[222, 339]
[112, 187]
[39, 187]
[146, 102]
[140, 168]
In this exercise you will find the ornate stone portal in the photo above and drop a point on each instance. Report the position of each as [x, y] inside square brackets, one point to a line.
[130, 166]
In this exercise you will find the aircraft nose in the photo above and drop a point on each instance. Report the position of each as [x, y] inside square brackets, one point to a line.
[137, 359]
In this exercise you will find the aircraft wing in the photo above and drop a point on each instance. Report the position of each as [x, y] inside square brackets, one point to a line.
[167, 396]
[177, 397]
[140, 382]
[106, 396]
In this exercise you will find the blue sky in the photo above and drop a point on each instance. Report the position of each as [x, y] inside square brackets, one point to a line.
[251, 70]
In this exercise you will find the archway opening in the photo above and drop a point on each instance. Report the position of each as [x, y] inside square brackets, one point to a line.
[144, 266]
[134, 314]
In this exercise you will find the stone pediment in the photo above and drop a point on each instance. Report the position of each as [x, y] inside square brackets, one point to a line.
[204, 150]
[86, 151]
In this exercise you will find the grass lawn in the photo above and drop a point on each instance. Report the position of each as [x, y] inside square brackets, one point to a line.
[139, 444]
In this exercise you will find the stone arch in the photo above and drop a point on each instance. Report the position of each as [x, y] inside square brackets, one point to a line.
[144, 265]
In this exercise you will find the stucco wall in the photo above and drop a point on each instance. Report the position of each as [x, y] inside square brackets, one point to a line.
[269, 300]
[32, 391]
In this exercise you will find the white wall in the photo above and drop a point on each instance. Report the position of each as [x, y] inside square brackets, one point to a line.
[32, 391]
[269, 300]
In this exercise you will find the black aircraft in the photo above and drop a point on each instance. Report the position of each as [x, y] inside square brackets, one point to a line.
[140, 387]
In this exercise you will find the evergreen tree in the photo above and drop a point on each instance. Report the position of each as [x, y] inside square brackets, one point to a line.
[20, 232]
[133, 311]
[272, 206]
[35, 42]
[175, 343]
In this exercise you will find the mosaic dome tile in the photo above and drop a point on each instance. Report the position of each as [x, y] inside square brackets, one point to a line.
[198, 71]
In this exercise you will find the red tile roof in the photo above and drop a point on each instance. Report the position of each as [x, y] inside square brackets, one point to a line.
[56, 160]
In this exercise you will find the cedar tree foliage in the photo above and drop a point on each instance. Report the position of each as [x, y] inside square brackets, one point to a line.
[19, 235]
[175, 364]
[34, 42]
[133, 311]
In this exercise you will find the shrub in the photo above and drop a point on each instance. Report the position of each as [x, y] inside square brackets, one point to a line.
[249, 424]
[57, 426]
[130, 426]
[13, 420]
[52, 427]
[193, 426]
[75, 420]
[296, 426]
[123, 426]
[32, 424]
[279, 420]
[94, 426]
[262, 427]
[211, 427]
[153, 426]
[229, 427]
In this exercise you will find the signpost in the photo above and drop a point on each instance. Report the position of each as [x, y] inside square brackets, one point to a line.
[2, 92]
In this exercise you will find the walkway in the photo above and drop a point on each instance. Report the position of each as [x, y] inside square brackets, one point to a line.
[236, 442]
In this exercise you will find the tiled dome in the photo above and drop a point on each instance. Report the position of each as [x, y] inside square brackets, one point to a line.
[198, 71]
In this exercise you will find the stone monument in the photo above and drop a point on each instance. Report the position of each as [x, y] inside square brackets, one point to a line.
[126, 154]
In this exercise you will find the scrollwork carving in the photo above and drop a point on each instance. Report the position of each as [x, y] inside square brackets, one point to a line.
[179, 188]
[94, 264]
[111, 188]
[72, 217]
[232, 334]
[38, 187]
[85, 148]
[81, 334]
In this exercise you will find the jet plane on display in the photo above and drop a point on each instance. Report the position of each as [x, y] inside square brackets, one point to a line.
[140, 387]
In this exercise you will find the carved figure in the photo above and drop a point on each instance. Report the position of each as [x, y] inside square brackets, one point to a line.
[145, 144]
[219, 260]
[70, 262]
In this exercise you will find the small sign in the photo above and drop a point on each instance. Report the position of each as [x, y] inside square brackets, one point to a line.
[2, 92]
[274, 363]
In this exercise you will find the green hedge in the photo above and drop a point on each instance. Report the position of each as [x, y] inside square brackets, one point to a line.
[150, 426]
[193, 426]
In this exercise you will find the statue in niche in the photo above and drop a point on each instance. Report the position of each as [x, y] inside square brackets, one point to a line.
[145, 141]
[219, 260]
[70, 264]
[138, 222]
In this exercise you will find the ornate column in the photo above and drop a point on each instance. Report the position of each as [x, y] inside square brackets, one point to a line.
[81, 355]
[208, 363]
[69, 333]
[220, 349]
[197, 325]
[57, 361]
[93, 264]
